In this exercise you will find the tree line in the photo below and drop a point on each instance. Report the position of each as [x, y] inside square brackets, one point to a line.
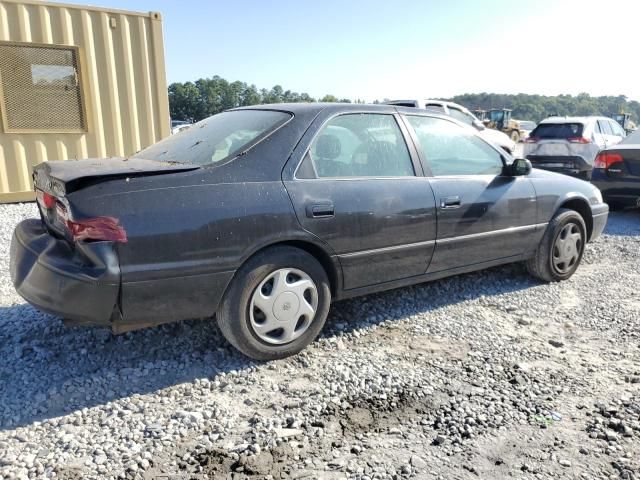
[537, 107]
[208, 96]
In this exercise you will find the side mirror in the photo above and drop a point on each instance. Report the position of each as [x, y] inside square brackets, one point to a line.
[478, 125]
[520, 167]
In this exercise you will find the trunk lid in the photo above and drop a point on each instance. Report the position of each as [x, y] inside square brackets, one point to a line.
[54, 180]
[62, 177]
[630, 155]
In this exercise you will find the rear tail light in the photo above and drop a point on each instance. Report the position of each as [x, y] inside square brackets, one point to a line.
[89, 229]
[97, 229]
[48, 200]
[578, 140]
[531, 140]
[606, 159]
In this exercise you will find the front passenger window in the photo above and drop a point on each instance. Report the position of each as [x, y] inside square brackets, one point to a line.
[454, 150]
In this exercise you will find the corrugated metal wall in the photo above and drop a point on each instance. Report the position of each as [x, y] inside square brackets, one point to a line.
[122, 79]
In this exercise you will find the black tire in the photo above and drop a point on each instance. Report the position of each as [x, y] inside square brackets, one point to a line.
[542, 264]
[233, 314]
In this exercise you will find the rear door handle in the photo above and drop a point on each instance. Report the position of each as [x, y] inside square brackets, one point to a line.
[320, 211]
[450, 202]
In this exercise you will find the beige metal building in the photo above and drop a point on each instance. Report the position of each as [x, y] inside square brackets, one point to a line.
[76, 82]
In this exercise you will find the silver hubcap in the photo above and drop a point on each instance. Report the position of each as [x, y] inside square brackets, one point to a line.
[567, 248]
[283, 306]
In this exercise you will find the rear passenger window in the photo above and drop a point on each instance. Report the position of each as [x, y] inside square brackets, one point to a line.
[605, 127]
[453, 150]
[361, 145]
[460, 116]
[617, 129]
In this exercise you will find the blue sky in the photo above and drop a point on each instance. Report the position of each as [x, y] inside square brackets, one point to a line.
[376, 49]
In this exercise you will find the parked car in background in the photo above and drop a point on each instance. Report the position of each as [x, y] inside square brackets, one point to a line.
[179, 125]
[616, 173]
[570, 145]
[463, 115]
[264, 215]
[526, 127]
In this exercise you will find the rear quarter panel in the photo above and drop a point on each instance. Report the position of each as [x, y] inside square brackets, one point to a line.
[185, 243]
[554, 189]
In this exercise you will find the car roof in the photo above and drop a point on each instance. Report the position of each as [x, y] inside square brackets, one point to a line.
[583, 120]
[317, 107]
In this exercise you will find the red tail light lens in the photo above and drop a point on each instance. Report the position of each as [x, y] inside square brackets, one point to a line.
[578, 140]
[531, 140]
[606, 159]
[45, 199]
[97, 229]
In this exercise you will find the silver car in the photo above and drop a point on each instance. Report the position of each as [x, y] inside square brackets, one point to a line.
[463, 115]
[570, 145]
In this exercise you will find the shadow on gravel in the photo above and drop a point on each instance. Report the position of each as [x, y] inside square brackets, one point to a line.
[49, 370]
[624, 223]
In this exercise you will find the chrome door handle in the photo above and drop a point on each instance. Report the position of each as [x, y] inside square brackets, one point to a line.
[320, 211]
[450, 202]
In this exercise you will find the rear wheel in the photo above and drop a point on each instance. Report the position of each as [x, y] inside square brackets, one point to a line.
[561, 248]
[276, 304]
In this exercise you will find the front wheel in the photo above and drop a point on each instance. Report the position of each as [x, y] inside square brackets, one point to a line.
[561, 248]
[276, 305]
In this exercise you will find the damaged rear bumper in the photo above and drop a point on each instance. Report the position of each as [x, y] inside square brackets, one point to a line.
[80, 283]
[574, 166]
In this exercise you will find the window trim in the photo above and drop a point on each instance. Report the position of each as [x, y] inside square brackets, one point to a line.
[418, 169]
[81, 87]
[425, 160]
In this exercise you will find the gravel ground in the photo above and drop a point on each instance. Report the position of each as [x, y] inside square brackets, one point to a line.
[487, 375]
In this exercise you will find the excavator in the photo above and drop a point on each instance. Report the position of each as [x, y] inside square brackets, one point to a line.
[500, 119]
[624, 119]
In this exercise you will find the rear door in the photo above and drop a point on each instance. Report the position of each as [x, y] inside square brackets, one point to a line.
[598, 135]
[483, 216]
[618, 132]
[359, 187]
[607, 133]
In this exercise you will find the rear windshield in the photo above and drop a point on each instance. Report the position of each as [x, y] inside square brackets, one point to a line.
[217, 138]
[558, 130]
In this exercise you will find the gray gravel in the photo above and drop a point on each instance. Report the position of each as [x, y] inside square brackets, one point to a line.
[486, 375]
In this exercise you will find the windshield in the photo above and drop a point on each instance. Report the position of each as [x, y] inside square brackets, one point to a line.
[558, 130]
[217, 138]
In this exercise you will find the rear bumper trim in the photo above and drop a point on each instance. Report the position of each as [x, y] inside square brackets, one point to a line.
[60, 280]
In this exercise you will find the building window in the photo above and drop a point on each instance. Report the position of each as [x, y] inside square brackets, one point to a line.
[40, 88]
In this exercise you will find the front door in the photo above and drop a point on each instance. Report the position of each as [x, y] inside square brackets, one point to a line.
[360, 190]
[483, 216]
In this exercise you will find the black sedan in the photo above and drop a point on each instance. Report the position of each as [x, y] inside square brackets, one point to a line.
[616, 172]
[262, 216]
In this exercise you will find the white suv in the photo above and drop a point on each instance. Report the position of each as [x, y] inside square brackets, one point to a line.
[570, 145]
[463, 115]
